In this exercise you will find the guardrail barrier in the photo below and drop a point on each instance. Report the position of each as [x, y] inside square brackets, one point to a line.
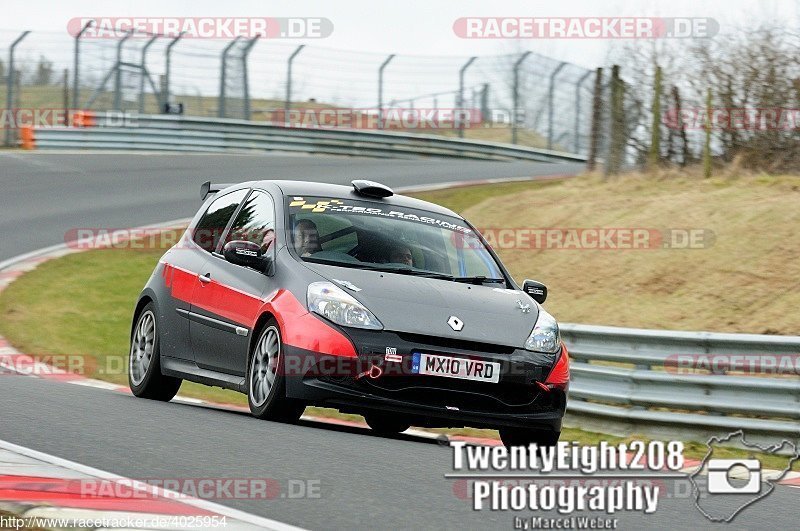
[694, 383]
[179, 133]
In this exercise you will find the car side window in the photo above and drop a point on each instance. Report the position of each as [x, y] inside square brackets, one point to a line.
[209, 229]
[255, 222]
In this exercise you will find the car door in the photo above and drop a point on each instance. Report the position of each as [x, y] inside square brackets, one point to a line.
[228, 302]
[181, 268]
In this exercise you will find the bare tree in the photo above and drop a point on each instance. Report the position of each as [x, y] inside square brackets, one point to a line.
[755, 73]
[752, 73]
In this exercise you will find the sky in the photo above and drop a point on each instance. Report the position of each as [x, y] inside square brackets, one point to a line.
[416, 27]
[425, 72]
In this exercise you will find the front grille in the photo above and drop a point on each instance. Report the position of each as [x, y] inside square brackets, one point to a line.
[481, 397]
[463, 394]
[510, 394]
[458, 344]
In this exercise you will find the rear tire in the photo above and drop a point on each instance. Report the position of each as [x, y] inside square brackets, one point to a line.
[266, 379]
[144, 363]
[386, 424]
[524, 437]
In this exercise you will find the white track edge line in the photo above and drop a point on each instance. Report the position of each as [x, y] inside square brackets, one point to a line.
[230, 512]
[5, 264]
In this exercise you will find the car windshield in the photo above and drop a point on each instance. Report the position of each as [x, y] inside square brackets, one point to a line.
[369, 235]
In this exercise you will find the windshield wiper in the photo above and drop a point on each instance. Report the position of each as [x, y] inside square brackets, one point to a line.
[480, 280]
[406, 271]
[410, 271]
[325, 261]
[377, 267]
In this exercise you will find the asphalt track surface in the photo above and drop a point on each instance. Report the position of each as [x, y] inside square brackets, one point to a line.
[44, 195]
[366, 481]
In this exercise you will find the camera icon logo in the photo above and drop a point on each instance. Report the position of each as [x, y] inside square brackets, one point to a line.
[731, 482]
[722, 471]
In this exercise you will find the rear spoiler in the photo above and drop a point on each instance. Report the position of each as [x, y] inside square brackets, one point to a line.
[207, 188]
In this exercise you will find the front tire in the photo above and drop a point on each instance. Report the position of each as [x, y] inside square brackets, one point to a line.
[524, 437]
[144, 364]
[266, 379]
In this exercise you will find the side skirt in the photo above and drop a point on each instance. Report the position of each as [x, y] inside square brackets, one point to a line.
[188, 370]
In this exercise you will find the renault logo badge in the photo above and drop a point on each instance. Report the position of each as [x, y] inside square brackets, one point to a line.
[455, 323]
[526, 308]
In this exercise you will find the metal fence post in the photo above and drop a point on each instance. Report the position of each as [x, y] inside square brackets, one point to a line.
[576, 145]
[380, 89]
[246, 75]
[616, 148]
[76, 64]
[143, 70]
[461, 96]
[594, 134]
[66, 97]
[485, 102]
[550, 94]
[287, 105]
[515, 96]
[17, 87]
[168, 69]
[222, 78]
[10, 78]
[118, 74]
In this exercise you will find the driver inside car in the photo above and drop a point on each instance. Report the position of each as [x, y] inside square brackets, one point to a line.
[401, 254]
[306, 238]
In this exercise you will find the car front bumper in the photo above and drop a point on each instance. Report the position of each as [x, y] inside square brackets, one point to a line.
[356, 385]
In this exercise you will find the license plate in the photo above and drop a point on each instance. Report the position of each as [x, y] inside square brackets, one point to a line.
[461, 368]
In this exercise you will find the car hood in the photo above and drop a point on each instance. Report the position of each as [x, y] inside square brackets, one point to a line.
[419, 305]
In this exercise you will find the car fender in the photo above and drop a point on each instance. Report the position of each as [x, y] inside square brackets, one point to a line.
[302, 329]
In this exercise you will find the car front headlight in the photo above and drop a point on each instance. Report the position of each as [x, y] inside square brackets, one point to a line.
[545, 336]
[335, 304]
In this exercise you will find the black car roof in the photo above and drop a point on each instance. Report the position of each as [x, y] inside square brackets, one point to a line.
[338, 191]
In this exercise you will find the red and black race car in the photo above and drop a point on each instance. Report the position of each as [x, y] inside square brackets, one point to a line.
[355, 298]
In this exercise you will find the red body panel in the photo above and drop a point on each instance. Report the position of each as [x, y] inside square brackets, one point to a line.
[303, 330]
[298, 327]
[180, 282]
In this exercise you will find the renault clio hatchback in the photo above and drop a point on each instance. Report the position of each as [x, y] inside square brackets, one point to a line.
[355, 298]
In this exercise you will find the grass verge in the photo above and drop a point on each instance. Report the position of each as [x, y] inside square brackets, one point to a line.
[744, 276]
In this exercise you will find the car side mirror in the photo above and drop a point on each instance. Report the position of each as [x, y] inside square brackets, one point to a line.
[536, 290]
[247, 254]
